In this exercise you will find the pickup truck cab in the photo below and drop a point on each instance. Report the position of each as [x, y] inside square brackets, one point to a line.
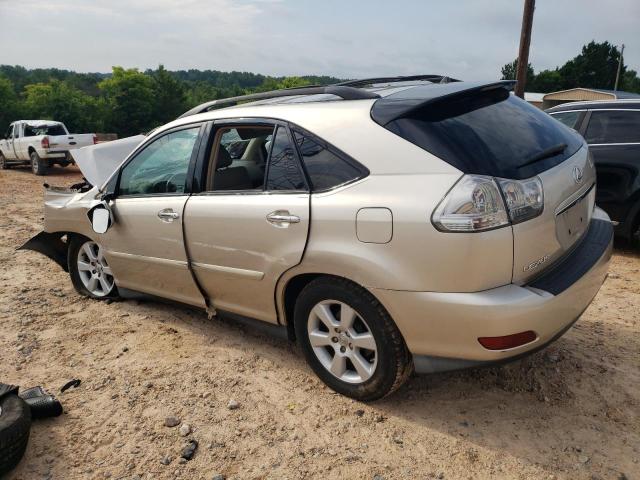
[41, 144]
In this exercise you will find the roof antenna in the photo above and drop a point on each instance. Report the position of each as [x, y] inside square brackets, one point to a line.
[445, 79]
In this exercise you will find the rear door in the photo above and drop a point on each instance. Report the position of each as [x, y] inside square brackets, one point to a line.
[145, 245]
[614, 141]
[249, 224]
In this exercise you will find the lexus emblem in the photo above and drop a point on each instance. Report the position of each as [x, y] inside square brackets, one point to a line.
[577, 174]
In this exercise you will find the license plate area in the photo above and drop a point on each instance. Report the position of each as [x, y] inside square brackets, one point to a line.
[573, 222]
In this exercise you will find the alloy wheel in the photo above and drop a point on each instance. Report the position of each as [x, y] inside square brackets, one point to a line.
[93, 269]
[342, 341]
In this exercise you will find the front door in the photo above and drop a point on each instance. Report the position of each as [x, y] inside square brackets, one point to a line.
[250, 223]
[145, 245]
[10, 154]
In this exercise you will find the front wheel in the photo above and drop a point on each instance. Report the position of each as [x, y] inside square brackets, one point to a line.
[38, 166]
[89, 270]
[349, 339]
[3, 162]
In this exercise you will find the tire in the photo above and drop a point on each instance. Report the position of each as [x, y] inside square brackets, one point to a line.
[361, 373]
[3, 162]
[15, 422]
[91, 275]
[38, 165]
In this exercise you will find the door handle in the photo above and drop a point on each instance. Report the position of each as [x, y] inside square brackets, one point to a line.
[282, 218]
[168, 215]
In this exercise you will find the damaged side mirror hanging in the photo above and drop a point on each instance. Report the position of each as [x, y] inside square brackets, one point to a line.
[100, 217]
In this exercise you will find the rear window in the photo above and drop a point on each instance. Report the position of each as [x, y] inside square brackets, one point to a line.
[614, 126]
[489, 133]
[53, 130]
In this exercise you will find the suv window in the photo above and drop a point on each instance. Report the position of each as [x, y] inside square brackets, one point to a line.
[325, 169]
[488, 133]
[613, 126]
[284, 171]
[161, 167]
[568, 118]
[239, 158]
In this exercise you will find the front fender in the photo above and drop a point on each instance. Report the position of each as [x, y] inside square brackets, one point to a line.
[50, 244]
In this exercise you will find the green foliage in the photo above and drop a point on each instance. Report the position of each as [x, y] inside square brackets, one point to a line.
[594, 67]
[125, 102]
[510, 69]
[9, 108]
[57, 100]
[129, 96]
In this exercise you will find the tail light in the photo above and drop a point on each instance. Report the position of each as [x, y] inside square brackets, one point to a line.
[44, 142]
[95, 139]
[478, 202]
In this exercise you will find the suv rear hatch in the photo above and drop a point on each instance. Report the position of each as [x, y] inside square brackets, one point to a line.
[482, 129]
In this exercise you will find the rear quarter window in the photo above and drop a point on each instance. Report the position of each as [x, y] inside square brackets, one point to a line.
[325, 168]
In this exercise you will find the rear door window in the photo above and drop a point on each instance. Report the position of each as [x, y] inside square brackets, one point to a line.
[570, 119]
[613, 126]
[284, 171]
[325, 168]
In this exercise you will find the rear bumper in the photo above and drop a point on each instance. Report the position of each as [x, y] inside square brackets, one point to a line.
[442, 329]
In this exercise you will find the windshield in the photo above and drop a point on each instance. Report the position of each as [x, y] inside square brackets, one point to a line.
[489, 133]
[52, 129]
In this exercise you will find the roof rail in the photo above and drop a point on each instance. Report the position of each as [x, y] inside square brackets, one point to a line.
[346, 92]
[408, 78]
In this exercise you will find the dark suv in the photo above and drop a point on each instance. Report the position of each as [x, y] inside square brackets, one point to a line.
[612, 130]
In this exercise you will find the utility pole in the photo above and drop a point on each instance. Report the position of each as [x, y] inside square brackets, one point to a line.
[615, 88]
[523, 52]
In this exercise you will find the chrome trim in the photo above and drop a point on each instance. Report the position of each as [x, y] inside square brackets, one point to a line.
[614, 144]
[563, 208]
[143, 258]
[237, 272]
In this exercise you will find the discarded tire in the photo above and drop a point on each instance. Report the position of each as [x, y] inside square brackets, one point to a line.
[15, 422]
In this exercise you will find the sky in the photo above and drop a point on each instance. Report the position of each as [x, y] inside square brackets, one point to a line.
[465, 39]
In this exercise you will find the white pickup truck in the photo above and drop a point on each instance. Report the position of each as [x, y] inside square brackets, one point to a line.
[40, 143]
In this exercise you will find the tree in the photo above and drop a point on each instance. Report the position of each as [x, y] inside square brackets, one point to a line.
[509, 73]
[547, 81]
[170, 96]
[57, 100]
[630, 81]
[595, 67]
[9, 108]
[129, 96]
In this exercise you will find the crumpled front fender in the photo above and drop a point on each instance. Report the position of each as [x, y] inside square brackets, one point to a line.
[50, 244]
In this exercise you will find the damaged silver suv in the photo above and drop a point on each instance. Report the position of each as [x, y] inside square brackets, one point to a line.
[386, 224]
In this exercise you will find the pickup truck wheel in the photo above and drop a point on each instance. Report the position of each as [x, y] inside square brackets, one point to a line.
[89, 270]
[3, 162]
[38, 166]
[15, 423]
[349, 339]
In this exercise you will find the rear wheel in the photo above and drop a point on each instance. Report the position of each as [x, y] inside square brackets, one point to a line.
[38, 166]
[90, 272]
[349, 339]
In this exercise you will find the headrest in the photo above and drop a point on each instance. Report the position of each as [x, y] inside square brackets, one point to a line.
[224, 159]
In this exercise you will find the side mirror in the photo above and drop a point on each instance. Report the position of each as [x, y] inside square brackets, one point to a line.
[100, 217]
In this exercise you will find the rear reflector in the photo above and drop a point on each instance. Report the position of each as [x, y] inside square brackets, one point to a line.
[508, 341]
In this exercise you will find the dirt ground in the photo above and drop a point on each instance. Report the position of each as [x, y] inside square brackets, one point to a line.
[572, 411]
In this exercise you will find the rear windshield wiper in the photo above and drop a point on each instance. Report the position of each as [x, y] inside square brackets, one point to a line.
[546, 153]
